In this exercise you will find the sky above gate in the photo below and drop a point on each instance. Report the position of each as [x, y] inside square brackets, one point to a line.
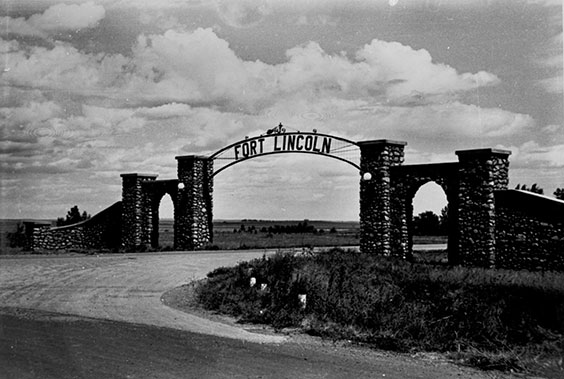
[93, 89]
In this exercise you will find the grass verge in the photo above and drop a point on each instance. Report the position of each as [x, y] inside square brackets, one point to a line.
[492, 319]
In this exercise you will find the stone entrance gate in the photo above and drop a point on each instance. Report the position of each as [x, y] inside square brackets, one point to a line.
[387, 188]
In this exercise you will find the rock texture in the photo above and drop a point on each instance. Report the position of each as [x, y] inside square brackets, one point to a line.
[489, 226]
[101, 231]
[376, 159]
[529, 231]
[193, 213]
[481, 172]
[136, 213]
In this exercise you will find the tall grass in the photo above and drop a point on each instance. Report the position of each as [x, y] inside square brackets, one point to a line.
[401, 306]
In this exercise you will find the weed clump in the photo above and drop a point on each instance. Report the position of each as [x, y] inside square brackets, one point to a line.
[486, 318]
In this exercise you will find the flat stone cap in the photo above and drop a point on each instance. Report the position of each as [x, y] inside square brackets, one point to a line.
[193, 157]
[381, 142]
[482, 152]
[139, 175]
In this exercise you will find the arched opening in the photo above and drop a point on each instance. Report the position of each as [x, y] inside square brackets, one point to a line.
[163, 233]
[428, 224]
[247, 213]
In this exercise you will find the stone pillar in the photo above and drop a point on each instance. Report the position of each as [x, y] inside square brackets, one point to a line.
[453, 255]
[401, 215]
[376, 158]
[155, 203]
[481, 172]
[193, 217]
[136, 212]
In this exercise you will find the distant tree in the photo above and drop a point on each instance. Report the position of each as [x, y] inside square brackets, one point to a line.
[559, 193]
[73, 216]
[534, 188]
[443, 221]
[426, 224]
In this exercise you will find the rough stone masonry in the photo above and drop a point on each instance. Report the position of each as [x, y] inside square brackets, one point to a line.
[488, 227]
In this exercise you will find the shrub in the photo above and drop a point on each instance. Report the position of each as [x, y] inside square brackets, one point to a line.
[73, 216]
[394, 304]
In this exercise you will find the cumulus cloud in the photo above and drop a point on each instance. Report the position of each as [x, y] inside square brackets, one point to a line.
[20, 27]
[360, 119]
[68, 16]
[62, 67]
[32, 112]
[242, 13]
[533, 155]
[56, 18]
[199, 68]
[553, 85]
[408, 70]
[452, 120]
[188, 93]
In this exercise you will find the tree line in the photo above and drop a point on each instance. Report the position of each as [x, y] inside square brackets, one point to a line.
[299, 228]
[73, 216]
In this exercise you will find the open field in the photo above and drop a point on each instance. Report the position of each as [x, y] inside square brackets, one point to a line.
[228, 234]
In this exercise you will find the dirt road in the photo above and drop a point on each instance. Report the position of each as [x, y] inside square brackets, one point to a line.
[127, 289]
[117, 287]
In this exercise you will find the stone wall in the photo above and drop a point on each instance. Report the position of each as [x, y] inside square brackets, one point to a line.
[193, 213]
[136, 219]
[376, 159]
[101, 231]
[489, 226]
[481, 172]
[529, 231]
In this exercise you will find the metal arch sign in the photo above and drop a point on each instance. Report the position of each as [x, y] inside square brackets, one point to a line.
[293, 142]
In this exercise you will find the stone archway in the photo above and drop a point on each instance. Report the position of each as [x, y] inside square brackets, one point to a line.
[141, 197]
[387, 188]
[406, 181]
[155, 191]
[469, 184]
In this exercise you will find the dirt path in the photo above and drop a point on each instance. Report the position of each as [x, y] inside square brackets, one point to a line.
[127, 289]
[117, 287]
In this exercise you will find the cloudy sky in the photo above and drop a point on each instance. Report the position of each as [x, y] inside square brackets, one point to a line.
[93, 89]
